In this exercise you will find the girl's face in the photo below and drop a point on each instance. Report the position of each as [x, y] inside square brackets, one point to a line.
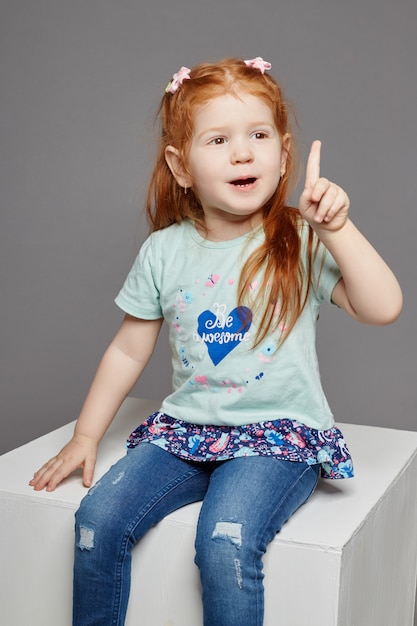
[236, 159]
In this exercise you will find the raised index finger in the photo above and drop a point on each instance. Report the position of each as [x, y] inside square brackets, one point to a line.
[313, 165]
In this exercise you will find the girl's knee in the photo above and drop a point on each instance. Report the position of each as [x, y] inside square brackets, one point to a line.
[227, 559]
[221, 544]
[96, 520]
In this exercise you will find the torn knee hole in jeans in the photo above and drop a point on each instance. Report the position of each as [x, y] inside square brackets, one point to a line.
[231, 532]
[228, 531]
[86, 538]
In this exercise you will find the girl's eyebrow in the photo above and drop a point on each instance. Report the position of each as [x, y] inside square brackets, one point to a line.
[212, 130]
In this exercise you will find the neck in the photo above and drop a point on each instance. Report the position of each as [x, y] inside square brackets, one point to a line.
[225, 230]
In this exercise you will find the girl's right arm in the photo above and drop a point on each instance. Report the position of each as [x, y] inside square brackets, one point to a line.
[121, 365]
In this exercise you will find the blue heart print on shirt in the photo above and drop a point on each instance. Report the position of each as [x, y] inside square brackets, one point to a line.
[222, 333]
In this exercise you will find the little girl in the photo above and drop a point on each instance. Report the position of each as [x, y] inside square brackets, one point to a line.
[238, 276]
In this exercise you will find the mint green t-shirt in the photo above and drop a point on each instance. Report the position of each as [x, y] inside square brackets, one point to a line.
[218, 377]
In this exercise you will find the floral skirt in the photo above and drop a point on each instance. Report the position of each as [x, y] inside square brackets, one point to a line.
[286, 439]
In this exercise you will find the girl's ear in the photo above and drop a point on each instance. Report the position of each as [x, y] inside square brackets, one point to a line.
[285, 147]
[175, 164]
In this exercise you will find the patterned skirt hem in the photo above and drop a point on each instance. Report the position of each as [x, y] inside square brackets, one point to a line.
[285, 439]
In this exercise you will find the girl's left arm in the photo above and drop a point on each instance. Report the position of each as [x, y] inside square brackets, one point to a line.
[368, 289]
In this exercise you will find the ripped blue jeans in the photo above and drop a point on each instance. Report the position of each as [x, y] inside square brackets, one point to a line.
[245, 503]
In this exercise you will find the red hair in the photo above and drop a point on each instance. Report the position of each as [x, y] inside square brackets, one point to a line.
[286, 281]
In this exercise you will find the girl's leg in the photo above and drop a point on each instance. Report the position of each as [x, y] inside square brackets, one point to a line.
[247, 502]
[136, 493]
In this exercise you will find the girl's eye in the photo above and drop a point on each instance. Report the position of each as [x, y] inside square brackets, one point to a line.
[217, 141]
[259, 135]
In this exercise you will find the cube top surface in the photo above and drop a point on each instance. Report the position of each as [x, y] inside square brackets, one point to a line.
[329, 519]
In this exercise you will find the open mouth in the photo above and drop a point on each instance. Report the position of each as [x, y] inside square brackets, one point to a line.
[243, 182]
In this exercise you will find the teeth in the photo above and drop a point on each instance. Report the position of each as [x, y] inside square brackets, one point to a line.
[243, 183]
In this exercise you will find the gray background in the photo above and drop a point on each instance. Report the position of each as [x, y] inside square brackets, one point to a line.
[79, 84]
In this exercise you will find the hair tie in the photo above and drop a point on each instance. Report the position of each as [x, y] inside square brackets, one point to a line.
[178, 79]
[259, 64]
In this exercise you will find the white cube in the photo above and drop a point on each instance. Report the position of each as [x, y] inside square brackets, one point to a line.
[346, 558]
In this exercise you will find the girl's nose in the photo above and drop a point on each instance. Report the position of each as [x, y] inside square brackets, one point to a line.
[241, 153]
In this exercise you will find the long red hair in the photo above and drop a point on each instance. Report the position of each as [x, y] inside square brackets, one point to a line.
[286, 278]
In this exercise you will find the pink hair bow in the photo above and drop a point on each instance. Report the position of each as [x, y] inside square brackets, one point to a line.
[178, 79]
[259, 64]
